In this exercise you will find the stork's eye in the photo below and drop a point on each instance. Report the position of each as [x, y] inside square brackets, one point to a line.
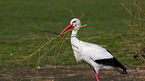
[73, 21]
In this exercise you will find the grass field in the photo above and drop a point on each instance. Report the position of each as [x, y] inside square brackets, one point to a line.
[104, 21]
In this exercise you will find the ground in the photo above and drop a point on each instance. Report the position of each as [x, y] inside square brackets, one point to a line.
[70, 73]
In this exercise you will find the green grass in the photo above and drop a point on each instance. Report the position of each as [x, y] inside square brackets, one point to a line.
[103, 19]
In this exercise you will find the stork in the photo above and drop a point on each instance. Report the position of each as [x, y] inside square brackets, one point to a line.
[94, 55]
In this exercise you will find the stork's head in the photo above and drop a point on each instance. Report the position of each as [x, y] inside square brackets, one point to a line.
[75, 22]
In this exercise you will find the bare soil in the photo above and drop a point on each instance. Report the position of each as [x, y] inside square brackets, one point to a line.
[69, 73]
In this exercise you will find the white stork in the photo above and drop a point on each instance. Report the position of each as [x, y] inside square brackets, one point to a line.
[96, 56]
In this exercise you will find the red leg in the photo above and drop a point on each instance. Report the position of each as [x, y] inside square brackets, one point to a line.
[96, 76]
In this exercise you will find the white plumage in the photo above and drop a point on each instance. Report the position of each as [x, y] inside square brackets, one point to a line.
[96, 56]
[85, 49]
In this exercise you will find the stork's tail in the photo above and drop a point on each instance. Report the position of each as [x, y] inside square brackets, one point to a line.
[120, 70]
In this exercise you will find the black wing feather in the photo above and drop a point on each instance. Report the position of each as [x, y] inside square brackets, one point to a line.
[111, 62]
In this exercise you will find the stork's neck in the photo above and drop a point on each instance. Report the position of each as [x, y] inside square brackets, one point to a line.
[74, 32]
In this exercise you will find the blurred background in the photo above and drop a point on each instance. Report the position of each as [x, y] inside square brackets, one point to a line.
[117, 25]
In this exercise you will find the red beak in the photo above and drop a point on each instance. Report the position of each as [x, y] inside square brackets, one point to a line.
[67, 28]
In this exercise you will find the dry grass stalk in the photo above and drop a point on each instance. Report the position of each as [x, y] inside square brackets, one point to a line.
[45, 45]
[136, 40]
